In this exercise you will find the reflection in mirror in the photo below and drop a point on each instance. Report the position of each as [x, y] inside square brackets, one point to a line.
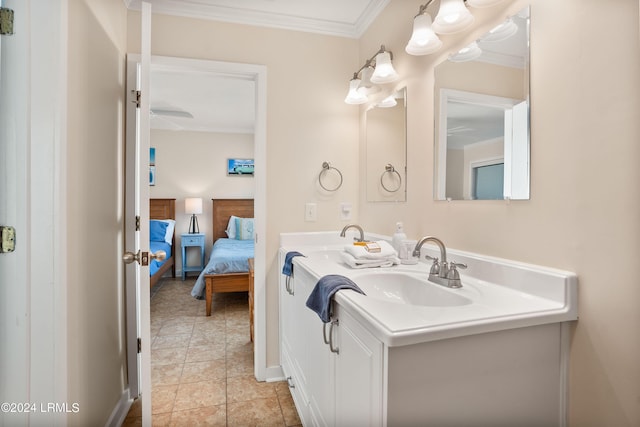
[482, 117]
[386, 153]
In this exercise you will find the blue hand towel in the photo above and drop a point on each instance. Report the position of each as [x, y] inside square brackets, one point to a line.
[320, 298]
[287, 268]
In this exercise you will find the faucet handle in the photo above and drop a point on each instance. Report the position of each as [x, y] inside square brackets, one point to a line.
[435, 267]
[457, 264]
[453, 278]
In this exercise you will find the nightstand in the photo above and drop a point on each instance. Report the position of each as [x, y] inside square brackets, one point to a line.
[191, 240]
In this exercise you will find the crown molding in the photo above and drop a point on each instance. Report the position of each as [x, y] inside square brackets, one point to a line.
[202, 10]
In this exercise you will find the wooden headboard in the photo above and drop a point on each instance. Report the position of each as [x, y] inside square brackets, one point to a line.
[162, 208]
[222, 211]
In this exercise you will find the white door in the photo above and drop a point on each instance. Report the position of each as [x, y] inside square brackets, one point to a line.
[14, 292]
[137, 221]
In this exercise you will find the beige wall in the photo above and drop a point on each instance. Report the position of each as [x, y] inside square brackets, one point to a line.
[194, 164]
[96, 335]
[584, 211]
[307, 121]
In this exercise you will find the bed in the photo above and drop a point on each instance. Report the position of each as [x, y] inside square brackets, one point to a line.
[228, 267]
[162, 211]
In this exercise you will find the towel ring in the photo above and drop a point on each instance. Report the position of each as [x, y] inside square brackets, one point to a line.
[326, 167]
[389, 169]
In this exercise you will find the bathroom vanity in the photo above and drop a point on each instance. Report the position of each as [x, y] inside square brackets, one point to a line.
[410, 352]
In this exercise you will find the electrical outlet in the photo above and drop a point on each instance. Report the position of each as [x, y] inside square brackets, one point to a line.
[310, 212]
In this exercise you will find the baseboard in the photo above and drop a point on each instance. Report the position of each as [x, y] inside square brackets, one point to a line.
[274, 373]
[121, 410]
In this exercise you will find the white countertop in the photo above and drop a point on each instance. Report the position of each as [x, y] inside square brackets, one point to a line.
[503, 294]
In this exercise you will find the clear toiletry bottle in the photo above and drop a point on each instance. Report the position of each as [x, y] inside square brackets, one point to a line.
[398, 238]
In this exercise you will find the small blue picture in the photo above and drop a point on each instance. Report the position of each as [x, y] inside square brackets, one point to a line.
[237, 167]
[152, 175]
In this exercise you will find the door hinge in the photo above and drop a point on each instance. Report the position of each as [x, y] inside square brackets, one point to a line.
[137, 223]
[137, 95]
[139, 345]
[7, 239]
[6, 21]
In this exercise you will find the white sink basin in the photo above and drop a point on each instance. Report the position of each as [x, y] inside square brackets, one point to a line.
[406, 288]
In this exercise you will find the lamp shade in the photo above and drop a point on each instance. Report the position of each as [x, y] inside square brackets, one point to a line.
[423, 40]
[453, 17]
[384, 71]
[354, 96]
[366, 87]
[193, 205]
[388, 102]
[467, 53]
[501, 32]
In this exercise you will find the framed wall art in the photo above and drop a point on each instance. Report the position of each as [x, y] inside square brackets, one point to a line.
[240, 167]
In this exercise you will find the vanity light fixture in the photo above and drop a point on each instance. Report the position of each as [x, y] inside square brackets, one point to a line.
[423, 39]
[366, 86]
[355, 97]
[453, 17]
[384, 71]
[377, 70]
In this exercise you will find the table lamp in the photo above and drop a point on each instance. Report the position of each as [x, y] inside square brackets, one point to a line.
[193, 206]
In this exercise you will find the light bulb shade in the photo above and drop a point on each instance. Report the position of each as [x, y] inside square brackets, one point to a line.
[354, 97]
[388, 102]
[423, 40]
[501, 32]
[483, 3]
[193, 205]
[453, 17]
[384, 71]
[366, 87]
[468, 53]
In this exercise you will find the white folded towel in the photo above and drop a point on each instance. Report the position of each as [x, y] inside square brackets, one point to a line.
[353, 262]
[359, 252]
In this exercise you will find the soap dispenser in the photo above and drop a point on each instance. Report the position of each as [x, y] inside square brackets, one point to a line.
[398, 238]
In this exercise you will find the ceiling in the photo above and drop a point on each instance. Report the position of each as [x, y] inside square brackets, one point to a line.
[345, 18]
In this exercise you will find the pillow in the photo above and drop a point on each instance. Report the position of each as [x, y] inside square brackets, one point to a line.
[157, 231]
[244, 228]
[231, 227]
[171, 223]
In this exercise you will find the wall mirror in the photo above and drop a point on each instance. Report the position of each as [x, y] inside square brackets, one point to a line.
[386, 149]
[481, 109]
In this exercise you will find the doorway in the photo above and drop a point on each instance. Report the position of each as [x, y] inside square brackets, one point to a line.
[257, 75]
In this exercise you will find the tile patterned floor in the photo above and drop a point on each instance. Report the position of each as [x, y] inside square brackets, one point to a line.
[202, 367]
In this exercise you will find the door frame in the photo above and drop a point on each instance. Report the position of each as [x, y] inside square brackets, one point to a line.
[258, 74]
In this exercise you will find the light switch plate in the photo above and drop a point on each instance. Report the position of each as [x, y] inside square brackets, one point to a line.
[310, 212]
[345, 211]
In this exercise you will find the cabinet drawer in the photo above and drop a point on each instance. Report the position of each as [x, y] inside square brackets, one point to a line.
[192, 240]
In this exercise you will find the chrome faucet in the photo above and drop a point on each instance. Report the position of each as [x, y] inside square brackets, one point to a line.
[441, 272]
[357, 227]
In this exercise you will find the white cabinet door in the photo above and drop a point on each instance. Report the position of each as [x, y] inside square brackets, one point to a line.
[321, 375]
[358, 374]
